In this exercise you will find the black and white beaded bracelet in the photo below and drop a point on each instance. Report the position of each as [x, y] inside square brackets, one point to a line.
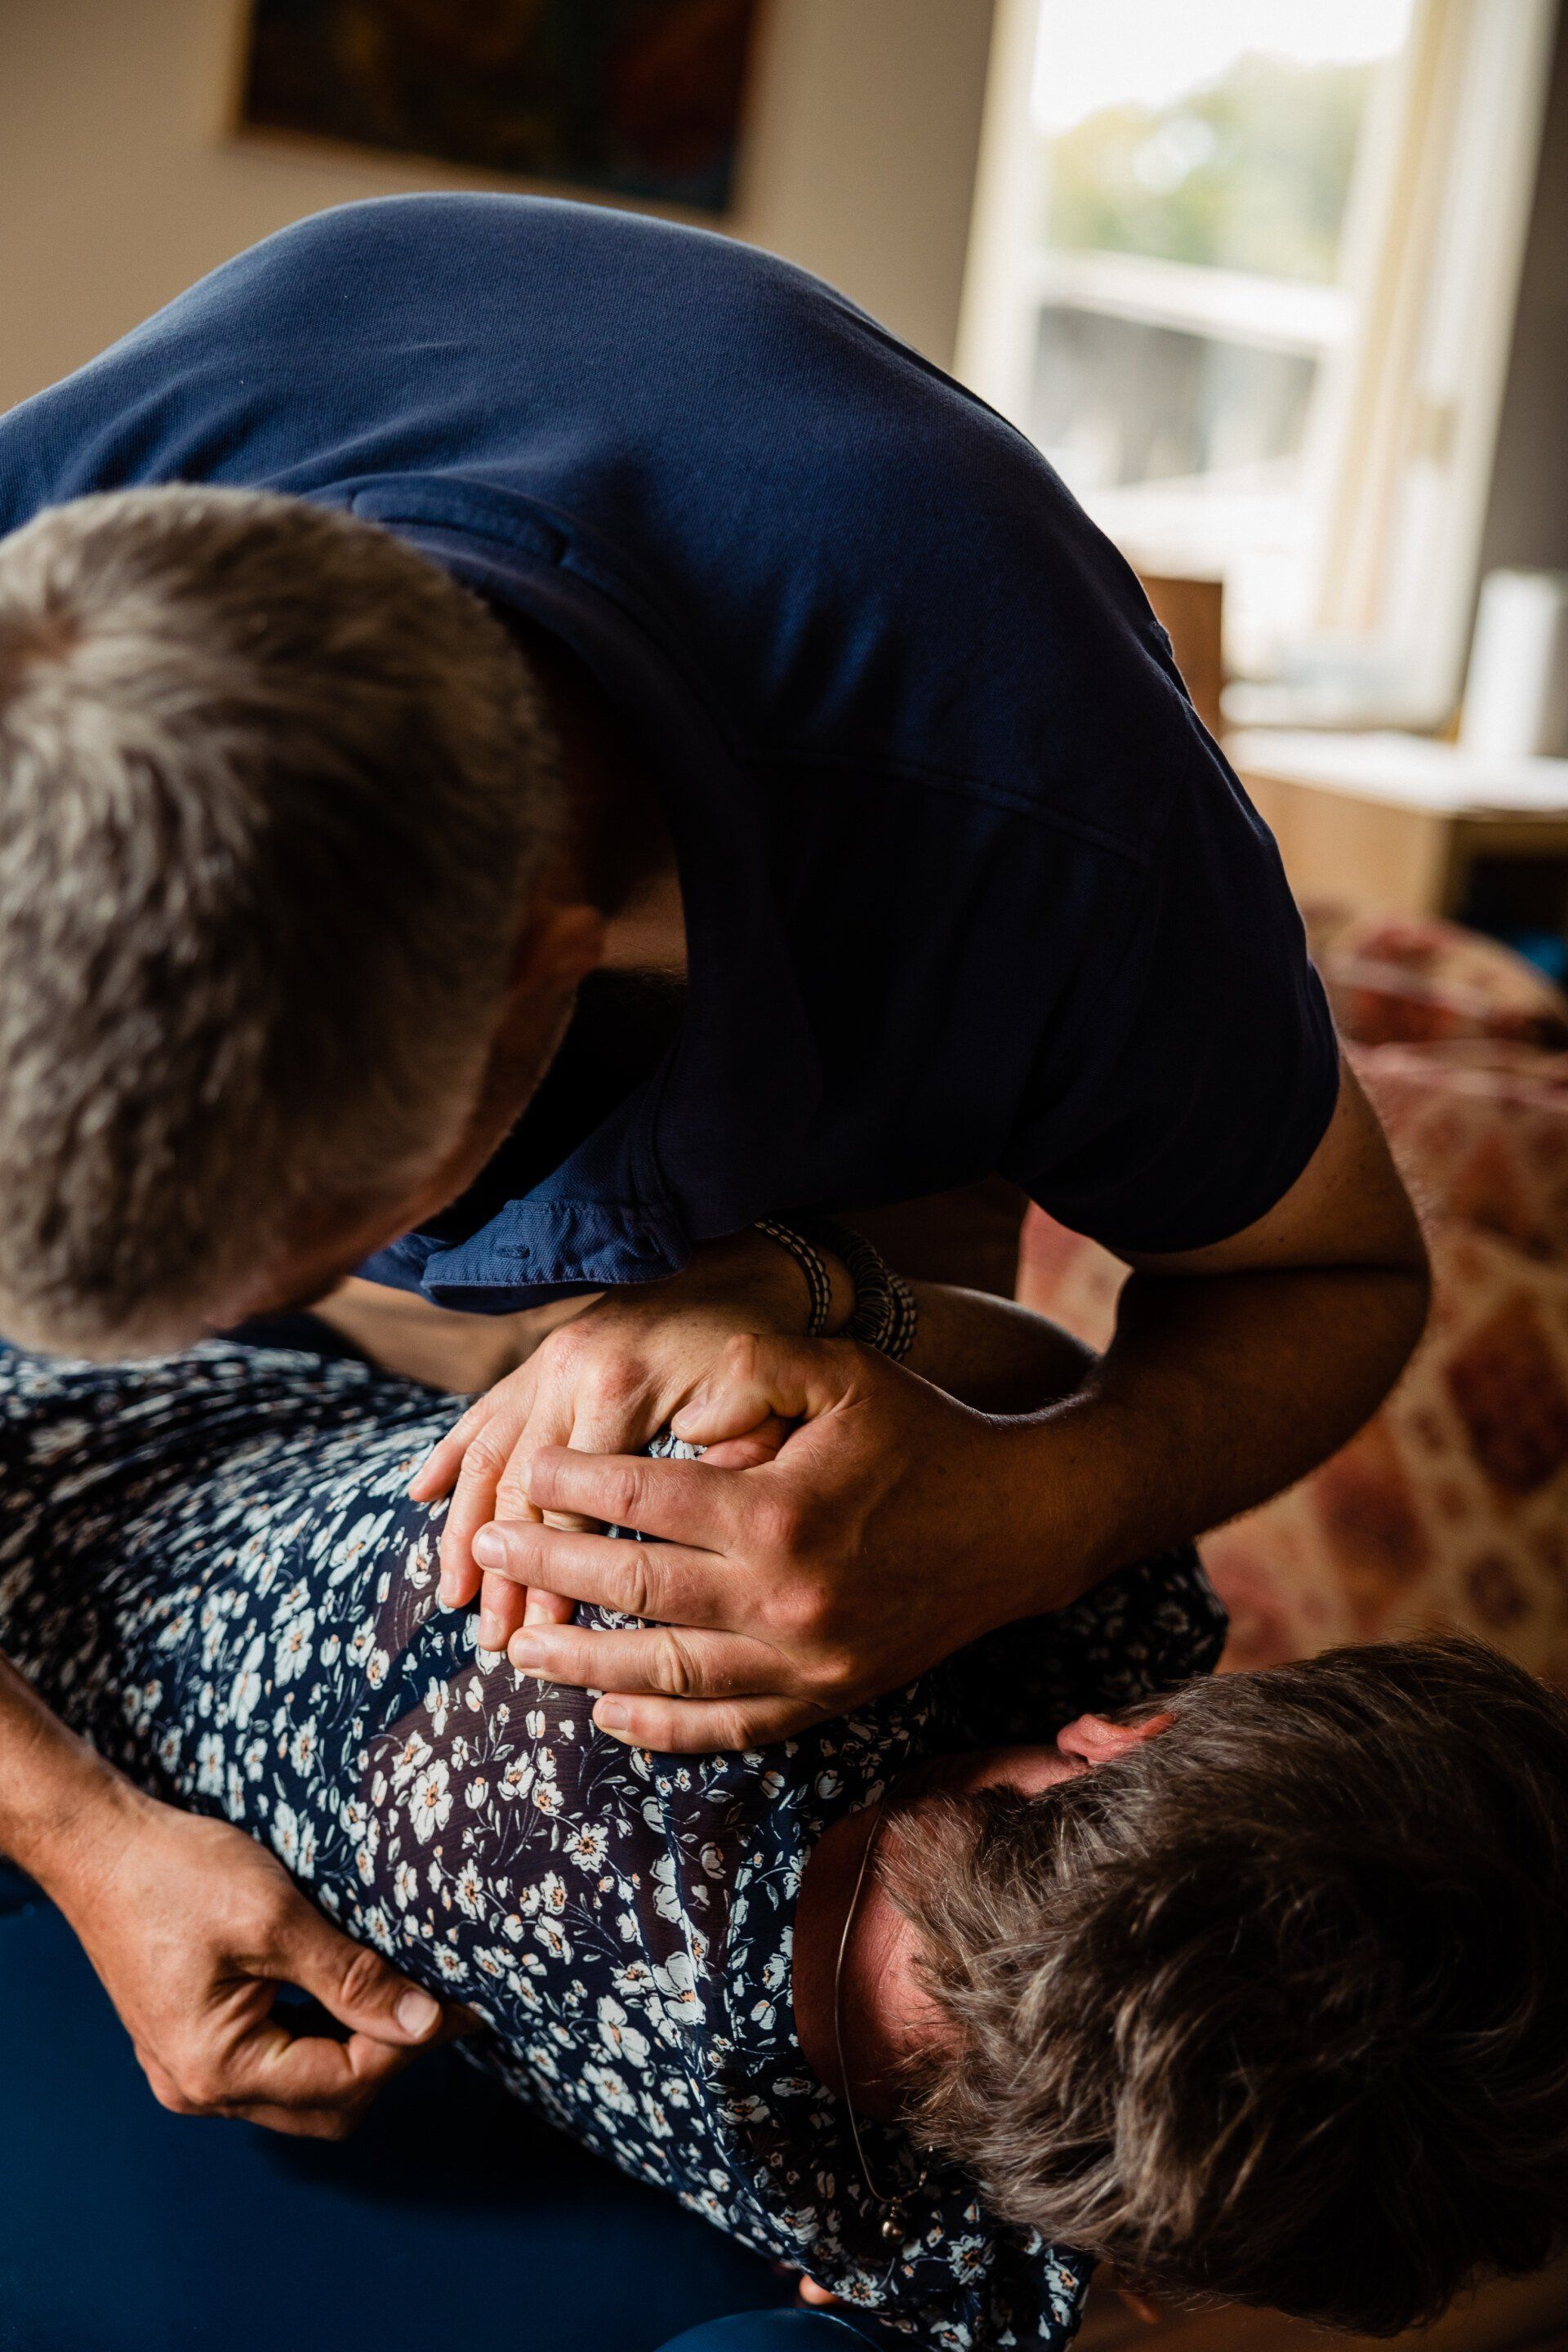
[884, 1316]
[818, 1282]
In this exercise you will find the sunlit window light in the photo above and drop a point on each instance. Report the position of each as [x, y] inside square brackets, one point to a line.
[1245, 270]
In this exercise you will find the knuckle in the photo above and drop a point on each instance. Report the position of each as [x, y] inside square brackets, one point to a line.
[564, 1350]
[202, 2088]
[295, 2123]
[677, 1674]
[743, 1725]
[518, 1555]
[635, 1598]
[361, 1978]
[796, 1608]
[613, 1380]
[780, 1525]
[835, 1680]
[487, 1456]
[336, 2123]
[512, 1497]
[626, 1492]
[664, 1729]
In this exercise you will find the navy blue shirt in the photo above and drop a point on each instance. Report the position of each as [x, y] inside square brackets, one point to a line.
[968, 889]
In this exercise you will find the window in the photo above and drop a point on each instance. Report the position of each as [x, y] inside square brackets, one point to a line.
[1244, 270]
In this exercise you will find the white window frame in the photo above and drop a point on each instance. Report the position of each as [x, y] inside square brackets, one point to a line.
[1401, 441]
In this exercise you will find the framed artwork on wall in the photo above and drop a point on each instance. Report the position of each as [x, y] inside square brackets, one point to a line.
[631, 97]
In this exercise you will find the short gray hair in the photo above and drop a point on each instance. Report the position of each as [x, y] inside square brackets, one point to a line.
[272, 789]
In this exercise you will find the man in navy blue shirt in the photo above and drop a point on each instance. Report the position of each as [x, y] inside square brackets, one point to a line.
[463, 609]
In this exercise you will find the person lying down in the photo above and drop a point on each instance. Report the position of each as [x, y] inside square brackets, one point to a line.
[1256, 1992]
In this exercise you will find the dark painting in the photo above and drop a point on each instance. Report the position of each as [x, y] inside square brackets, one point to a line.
[637, 97]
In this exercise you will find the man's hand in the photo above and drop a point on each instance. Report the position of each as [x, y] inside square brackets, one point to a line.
[192, 1926]
[897, 1525]
[870, 1548]
[605, 1382]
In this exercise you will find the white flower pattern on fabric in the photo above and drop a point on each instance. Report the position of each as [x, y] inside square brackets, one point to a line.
[209, 1565]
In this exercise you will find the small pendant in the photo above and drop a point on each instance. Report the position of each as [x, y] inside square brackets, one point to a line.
[893, 2228]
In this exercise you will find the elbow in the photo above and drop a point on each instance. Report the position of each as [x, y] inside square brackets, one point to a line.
[1414, 1261]
[1421, 1283]
[1406, 1280]
[1417, 1279]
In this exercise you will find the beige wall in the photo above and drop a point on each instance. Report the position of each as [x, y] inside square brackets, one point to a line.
[117, 186]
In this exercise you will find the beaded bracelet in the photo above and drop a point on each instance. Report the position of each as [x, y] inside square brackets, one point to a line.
[885, 1315]
[818, 1282]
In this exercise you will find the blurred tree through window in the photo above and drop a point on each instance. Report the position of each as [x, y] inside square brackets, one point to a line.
[1244, 270]
[1251, 174]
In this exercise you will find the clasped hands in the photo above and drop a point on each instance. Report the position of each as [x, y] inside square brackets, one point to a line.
[842, 1533]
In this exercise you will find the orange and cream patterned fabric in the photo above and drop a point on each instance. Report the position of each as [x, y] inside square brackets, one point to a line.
[1450, 1508]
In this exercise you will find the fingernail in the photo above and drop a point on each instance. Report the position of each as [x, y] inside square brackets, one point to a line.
[611, 1715]
[526, 1652]
[489, 1548]
[446, 1592]
[418, 2014]
[491, 1633]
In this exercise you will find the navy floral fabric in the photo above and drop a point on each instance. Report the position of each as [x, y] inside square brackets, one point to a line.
[208, 1564]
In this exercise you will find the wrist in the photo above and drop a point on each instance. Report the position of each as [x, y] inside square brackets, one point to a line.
[63, 1810]
[826, 1300]
[81, 1846]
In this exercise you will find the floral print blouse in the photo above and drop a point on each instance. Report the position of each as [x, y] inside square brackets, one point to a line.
[209, 1565]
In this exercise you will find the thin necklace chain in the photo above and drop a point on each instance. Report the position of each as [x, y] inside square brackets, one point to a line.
[893, 2226]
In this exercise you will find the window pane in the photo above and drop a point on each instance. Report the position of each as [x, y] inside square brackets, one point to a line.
[1190, 268]
[1244, 269]
[1220, 133]
[1251, 174]
[1118, 401]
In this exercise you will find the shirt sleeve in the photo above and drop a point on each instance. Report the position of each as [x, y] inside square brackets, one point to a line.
[1190, 1076]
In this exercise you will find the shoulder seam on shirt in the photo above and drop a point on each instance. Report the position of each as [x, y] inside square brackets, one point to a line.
[960, 785]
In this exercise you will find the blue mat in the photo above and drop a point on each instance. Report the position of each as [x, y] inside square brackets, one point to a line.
[453, 2221]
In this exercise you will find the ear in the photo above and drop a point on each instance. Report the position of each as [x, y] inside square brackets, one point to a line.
[557, 946]
[1095, 1739]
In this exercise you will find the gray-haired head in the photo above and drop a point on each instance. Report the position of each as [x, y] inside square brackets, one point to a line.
[272, 791]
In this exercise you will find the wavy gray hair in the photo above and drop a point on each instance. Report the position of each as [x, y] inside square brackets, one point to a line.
[272, 789]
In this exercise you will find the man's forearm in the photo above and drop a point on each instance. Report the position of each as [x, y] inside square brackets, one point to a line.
[55, 1791]
[1218, 1391]
[992, 1353]
[901, 1520]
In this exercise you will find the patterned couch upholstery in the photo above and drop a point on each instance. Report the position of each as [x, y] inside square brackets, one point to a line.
[1450, 1508]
